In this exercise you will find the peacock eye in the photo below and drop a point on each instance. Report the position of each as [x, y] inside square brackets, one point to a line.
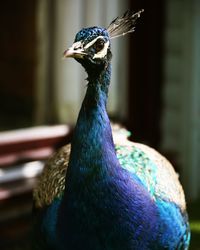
[99, 45]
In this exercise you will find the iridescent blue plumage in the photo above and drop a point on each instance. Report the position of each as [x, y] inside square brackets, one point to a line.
[88, 34]
[114, 197]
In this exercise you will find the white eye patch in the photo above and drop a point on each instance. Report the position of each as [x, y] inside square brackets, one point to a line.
[103, 52]
[93, 42]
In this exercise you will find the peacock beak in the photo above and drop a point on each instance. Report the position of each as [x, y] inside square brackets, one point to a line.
[75, 51]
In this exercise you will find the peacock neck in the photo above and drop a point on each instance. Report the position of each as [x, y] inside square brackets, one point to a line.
[92, 144]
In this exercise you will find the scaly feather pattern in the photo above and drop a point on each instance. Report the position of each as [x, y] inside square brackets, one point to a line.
[105, 194]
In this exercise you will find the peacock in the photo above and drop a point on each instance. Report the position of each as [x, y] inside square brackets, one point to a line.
[102, 191]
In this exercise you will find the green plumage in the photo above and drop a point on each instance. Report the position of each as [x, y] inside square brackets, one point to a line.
[136, 161]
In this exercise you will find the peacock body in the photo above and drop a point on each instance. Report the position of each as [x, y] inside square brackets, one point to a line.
[105, 194]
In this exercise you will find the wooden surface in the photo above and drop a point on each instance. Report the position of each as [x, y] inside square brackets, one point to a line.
[32, 143]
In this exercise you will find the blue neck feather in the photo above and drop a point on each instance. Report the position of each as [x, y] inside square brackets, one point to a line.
[92, 143]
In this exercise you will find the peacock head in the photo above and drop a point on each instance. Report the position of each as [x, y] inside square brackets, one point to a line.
[92, 46]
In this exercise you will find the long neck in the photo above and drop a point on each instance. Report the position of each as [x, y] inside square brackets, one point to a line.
[92, 145]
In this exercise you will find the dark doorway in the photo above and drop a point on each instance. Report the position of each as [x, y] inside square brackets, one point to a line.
[145, 78]
[17, 63]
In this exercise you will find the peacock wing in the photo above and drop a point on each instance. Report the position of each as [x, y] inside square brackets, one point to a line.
[51, 183]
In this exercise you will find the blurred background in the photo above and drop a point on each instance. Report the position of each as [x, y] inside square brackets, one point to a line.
[154, 92]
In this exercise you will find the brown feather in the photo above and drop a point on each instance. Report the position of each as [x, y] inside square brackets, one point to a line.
[124, 24]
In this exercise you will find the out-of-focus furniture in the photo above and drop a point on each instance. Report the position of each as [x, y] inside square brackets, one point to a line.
[22, 156]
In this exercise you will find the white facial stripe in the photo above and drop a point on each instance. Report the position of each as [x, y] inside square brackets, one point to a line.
[92, 42]
[103, 52]
[77, 45]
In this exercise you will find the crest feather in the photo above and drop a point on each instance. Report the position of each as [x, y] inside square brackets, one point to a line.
[124, 24]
